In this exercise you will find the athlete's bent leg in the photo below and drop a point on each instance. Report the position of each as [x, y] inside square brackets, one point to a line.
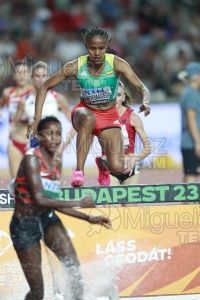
[112, 144]
[84, 123]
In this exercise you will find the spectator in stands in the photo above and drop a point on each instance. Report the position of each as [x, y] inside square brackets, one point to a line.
[190, 109]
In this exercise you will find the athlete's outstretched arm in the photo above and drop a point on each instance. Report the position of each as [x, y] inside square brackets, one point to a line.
[99, 219]
[139, 128]
[69, 69]
[122, 67]
[31, 165]
[133, 158]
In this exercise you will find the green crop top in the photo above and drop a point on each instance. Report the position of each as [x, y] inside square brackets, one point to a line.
[101, 89]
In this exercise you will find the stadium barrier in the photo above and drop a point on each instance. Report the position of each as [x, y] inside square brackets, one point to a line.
[153, 248]
[135, 194]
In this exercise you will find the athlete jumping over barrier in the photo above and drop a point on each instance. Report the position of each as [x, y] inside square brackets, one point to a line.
[98, 74]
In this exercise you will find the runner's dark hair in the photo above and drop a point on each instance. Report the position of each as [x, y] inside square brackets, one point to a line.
[44, 121]
[95, 31]
[111, 51]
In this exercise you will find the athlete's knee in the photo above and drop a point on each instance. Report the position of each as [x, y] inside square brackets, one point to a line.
[87, 120]
[83, 119]
[117, 167]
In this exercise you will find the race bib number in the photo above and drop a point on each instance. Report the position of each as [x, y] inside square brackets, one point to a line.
[96, 95]
[51, 188]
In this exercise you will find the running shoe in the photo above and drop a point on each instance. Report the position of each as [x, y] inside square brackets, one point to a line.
[78, 179]
[104, 175]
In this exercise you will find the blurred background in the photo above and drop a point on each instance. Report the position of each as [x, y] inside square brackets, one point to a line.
[157, 38]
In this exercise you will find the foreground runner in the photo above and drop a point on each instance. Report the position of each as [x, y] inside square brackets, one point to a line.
[34, 218]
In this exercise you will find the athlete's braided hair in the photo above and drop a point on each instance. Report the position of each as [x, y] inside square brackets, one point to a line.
[111, 51]
[98, 31]
[95, 31]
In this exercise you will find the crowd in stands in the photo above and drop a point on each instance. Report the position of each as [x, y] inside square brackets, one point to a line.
[156, 37]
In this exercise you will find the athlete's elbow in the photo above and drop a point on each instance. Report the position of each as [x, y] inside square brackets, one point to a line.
[38, 199]
[44, 88]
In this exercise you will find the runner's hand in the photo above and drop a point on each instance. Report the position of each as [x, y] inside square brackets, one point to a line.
[101, 220]
[146, 108]
[130, 162]
[32, 128]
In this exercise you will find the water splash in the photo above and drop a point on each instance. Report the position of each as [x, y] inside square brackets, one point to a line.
[100, 281]
[62, 280]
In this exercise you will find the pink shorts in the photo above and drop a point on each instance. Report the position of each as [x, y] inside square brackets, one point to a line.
[104, 118]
